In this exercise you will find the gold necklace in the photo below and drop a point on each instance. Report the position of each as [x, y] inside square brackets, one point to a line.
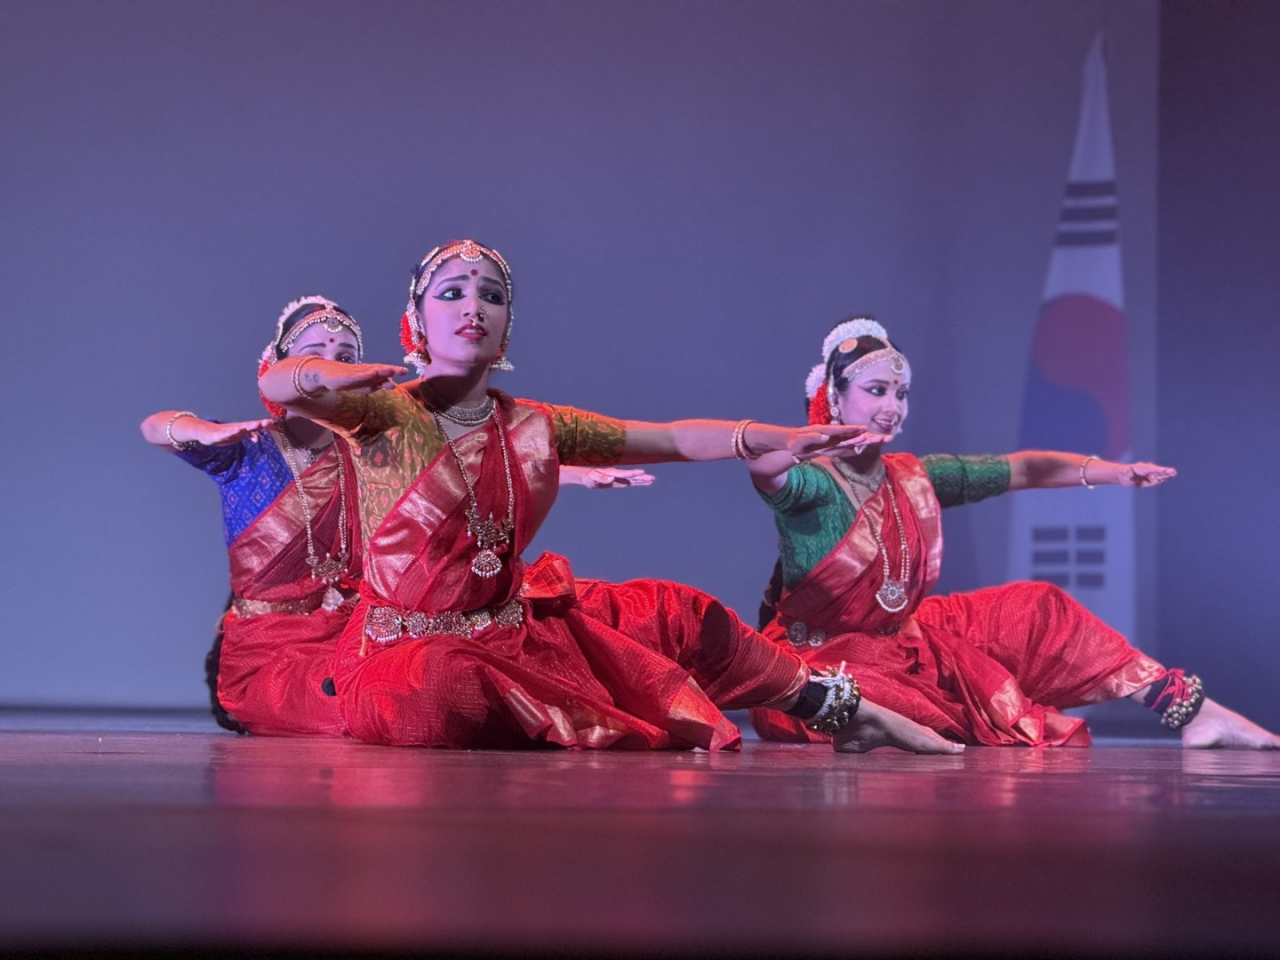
[329, 570]
[489, 534]
[463, 416]
[892, 595]
[868, 481]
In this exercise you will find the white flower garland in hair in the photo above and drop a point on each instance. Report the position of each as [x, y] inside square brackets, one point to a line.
[813, 382]
[851, 330]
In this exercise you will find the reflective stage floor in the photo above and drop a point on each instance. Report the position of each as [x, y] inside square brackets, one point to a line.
[162, 835]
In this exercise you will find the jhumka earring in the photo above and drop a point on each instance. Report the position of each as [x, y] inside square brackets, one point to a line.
[502, 363]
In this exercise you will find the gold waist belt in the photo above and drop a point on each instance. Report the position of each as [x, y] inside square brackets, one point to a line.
[330, 599]
[385, 624]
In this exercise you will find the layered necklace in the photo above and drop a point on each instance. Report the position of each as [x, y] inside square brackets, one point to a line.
[490, 534]
[892, 596]
[329, 570]
[457, 413]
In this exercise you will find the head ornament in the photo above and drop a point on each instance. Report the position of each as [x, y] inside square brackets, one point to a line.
[822, 402]
[412, 337]
[319, 310]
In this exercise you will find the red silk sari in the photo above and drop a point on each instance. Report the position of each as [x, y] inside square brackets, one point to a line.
[992, 666]
[278, 641]
[646, 664]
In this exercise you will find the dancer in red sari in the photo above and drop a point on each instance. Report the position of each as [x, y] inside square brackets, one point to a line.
[292, 533]
[456, 642]
[861, 545]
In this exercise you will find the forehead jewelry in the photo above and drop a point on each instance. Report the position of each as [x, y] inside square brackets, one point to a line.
[897, 363]
[333, 321]
[326, 312]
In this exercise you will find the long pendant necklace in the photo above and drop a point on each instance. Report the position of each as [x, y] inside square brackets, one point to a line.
[329, 570]
[488, 534]
[892, 595]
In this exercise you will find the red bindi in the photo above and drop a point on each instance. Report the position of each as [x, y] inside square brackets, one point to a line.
[475, 273]
[331, 340]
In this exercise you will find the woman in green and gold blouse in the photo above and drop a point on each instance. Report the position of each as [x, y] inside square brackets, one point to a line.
[861, 544]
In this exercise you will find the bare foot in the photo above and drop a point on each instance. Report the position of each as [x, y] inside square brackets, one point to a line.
[875, 726]
[1216, 726]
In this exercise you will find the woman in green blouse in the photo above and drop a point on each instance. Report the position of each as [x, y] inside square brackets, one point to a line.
[861, 544]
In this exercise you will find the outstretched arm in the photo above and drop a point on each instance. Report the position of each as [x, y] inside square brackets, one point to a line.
[309, 385]
[1031, 469]
[714, 440]
[172, 428]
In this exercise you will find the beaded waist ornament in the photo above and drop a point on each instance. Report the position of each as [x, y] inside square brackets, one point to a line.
[388, 624]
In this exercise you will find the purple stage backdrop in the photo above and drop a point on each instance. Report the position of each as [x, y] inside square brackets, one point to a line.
[689, 195]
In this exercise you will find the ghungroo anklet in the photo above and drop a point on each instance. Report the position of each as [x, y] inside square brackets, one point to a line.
[1177, 697]
[840, 702]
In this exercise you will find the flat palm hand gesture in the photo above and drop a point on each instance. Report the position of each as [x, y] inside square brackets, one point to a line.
[360, 376]
[808, 442]
[1145, 474]
[221, 434]
[598, 478]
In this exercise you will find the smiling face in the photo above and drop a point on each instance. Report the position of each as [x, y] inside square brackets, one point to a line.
[464, 313]
[876, 397]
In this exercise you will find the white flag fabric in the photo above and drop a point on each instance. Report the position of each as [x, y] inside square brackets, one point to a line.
[1077, 391]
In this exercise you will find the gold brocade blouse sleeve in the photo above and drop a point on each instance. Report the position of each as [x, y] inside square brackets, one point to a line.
[587, 439]
[363, 417]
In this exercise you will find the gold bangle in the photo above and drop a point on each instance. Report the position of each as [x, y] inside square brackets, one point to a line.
[168, 432]
[1084, 463]
[297, 381]
[736, 443]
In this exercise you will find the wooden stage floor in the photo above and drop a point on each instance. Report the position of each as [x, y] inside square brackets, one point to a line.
[163, 836]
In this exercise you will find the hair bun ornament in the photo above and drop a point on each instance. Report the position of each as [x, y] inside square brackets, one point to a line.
[413, 343]
[851, 330]
[819, 409]
[813, 382]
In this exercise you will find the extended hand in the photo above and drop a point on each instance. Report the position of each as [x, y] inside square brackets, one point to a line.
[359, 376]
[805, 443]
[876, 726]
[1144, 474]
[216, 434]
[599, 478]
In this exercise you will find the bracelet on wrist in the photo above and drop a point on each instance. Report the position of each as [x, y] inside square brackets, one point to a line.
[168, 432]
[739, 443]
[1083, 481]
[297, 379]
